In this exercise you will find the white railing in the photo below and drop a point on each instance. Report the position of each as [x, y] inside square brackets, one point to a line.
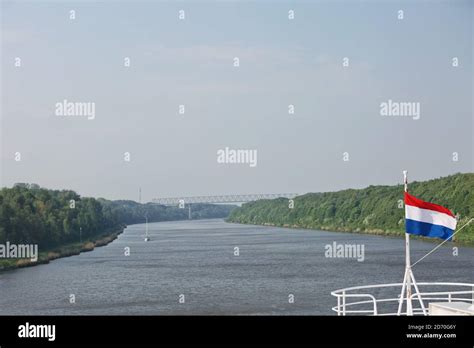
[373, 303]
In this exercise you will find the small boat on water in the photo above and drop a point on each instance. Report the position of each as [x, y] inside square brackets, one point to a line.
[147, 237]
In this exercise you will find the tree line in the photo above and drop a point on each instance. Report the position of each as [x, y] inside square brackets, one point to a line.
[375, 209]
[30, 214]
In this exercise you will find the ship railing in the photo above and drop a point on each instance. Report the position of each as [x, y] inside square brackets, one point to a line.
[363, 300]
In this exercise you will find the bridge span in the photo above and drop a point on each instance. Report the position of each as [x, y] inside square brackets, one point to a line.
[221, 198]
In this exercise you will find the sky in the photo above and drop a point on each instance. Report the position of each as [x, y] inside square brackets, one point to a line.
[336, 138]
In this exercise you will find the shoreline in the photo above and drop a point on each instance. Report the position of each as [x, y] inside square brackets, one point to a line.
[102, 240]
[71, 249]
[66, 250]
[375, 232]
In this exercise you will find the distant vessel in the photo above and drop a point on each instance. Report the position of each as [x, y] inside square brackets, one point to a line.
[147, 238]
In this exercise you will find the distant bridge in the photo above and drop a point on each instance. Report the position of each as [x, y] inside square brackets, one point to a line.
[221, 199]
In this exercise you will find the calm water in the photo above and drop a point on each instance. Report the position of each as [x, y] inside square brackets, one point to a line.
[196, 258]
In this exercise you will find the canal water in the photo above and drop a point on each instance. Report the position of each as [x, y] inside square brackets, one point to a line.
[212, 267]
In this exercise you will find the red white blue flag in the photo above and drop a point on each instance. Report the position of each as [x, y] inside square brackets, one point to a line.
[428, 219]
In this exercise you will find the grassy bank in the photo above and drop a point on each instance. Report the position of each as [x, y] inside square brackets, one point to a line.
[61, 251]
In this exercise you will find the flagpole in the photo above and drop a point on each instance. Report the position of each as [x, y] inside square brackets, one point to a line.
[407, 258]
[409, 277]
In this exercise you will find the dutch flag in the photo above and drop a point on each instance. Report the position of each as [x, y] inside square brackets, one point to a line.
[428, 219]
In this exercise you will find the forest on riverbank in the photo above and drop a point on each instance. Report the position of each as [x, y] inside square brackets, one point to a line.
[375, 209]
[30, 214]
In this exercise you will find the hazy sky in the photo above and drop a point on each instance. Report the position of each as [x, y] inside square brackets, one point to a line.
[191, 62]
